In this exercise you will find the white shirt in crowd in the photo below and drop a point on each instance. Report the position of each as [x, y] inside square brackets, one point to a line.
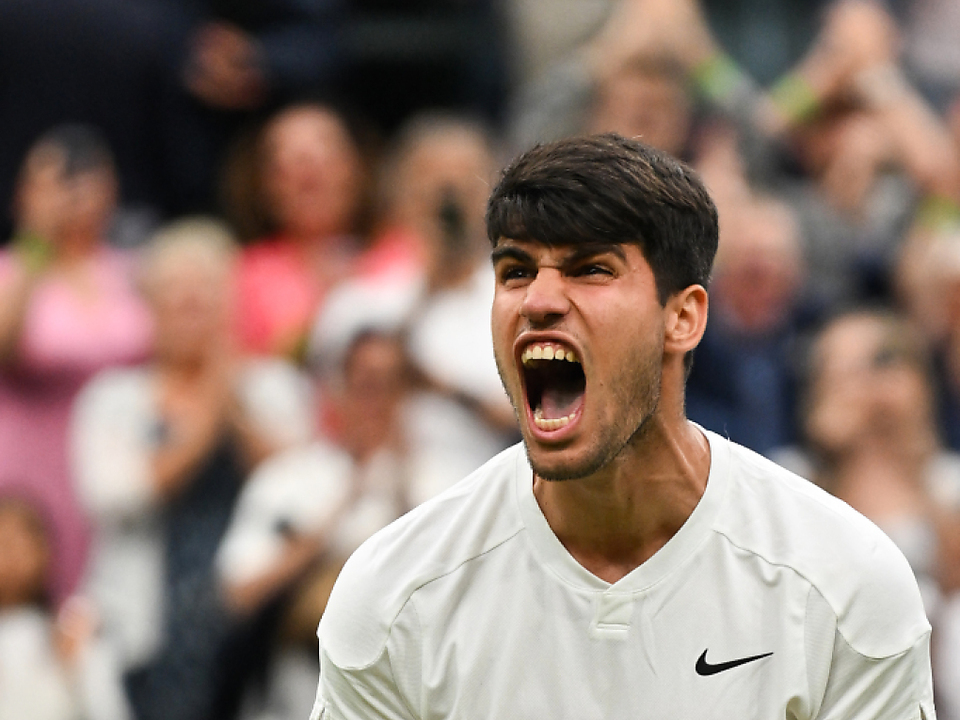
[317, 490]
[113, 437]
[312, 490]
[35, 684]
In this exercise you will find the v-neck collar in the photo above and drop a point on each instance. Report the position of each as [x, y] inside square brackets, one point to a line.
[677, 549]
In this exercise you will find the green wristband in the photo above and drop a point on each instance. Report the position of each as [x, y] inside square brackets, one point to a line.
[795, 98]
[718, 77]
[35, 252]
[939, 213]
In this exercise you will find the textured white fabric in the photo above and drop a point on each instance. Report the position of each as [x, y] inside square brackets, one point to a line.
[470, 607]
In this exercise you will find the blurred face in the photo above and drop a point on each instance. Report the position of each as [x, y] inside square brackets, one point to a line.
[452, 167]
[312, 174]
[191, 299]
[867, 389]
[375, 381]
[651, 106]
[578, 338]
[24, 560]
[67, 210]
[758, 267]
[845, 152]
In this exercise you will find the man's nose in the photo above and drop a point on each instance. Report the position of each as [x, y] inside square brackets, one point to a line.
[545, 299]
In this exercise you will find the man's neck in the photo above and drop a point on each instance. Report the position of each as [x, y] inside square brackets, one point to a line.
[615, 520]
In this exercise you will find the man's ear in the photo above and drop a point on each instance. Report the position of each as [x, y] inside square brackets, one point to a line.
[686, 319]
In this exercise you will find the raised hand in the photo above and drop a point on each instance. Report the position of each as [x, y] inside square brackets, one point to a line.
[675, 29]
[856, 35]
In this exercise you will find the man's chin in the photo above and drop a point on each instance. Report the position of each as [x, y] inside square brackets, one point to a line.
[556, 465]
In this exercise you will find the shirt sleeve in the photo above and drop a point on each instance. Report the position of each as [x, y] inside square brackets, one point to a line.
[369, 668]
[867, 637]
[899, 687]
[360, 694]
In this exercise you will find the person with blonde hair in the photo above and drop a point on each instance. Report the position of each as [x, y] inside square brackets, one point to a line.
[160, 452]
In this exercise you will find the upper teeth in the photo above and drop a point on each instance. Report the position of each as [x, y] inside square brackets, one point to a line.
[547, 352]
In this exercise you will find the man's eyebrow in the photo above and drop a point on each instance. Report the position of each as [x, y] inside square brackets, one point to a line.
[577, 253]
[584, 252]
[504, 252]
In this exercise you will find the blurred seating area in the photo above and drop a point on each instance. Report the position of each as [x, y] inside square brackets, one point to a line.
[245, 290]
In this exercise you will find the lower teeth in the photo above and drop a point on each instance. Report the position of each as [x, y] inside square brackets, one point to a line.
[550, 423]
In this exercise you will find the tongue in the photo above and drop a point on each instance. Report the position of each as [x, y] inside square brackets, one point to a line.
[558, 402]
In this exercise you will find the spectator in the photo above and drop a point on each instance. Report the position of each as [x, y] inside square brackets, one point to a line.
[97, 62]
[231, 64]
[49, 669]
[160, 455]
[168, 81]
[437, 193]
[870, 424]
[867, 145]
[303, 512]
[743, 380]
[67, 309]
[642, 93]
[311, 185]
[842, 136]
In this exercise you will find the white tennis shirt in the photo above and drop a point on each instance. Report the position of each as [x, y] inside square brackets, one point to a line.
[774, 600]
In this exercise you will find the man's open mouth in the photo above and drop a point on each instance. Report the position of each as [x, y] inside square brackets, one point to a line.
[554, 382]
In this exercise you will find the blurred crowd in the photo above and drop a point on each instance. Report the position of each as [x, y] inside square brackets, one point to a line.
[245, 287]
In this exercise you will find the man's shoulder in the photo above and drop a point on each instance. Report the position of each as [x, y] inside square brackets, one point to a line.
[430, 542]
[789, 522]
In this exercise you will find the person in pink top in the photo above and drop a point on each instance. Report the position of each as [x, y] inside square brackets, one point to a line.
[310, 184]
[68, 308]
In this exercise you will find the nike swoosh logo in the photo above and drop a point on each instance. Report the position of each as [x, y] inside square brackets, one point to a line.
[705, 668]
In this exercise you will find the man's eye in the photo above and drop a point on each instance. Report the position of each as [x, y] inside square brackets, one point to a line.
[514, 272]
[592, 269]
